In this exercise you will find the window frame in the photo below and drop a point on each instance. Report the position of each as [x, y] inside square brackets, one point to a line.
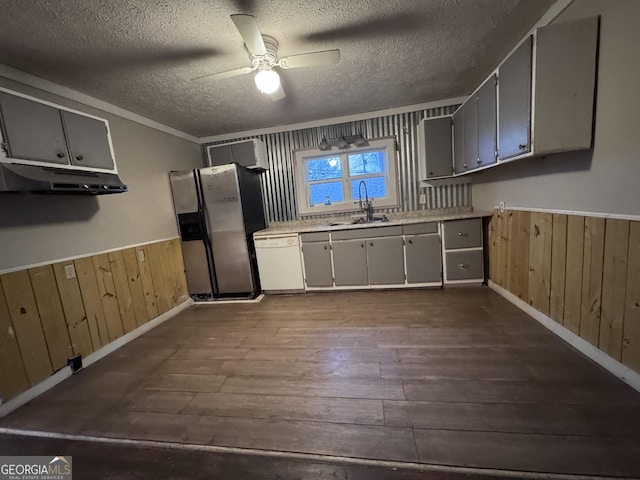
[387, 145]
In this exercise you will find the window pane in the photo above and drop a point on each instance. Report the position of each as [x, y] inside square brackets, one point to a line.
[324, 168]
[367, 162]
[325, 193]
[376, 188]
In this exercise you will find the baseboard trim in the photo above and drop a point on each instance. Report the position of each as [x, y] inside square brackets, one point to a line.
[64, 373]
[621, 371]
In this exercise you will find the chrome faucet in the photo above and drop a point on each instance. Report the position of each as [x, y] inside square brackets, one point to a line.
[368, 204]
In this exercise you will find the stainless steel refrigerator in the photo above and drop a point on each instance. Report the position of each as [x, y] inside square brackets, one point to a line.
[218, 209]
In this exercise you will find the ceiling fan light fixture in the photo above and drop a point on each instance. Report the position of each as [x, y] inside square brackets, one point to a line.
[267, 81]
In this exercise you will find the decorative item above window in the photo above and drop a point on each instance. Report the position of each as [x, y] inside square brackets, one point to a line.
[328, 182]
[344, 142]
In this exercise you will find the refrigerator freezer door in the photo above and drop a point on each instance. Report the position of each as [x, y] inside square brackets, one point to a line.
[223, 209]
[196, 268]
[183, 187]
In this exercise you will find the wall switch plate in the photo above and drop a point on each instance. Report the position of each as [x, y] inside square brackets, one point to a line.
[423, 199]
[69, 271]
[141, 255]
[501, 206]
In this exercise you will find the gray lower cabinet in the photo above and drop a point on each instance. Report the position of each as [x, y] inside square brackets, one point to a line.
[465, 265]
[424, 258]
[514, 107]
[317, 264]
[350, 262]
[32, 130]
[385, 260]
[88, 140]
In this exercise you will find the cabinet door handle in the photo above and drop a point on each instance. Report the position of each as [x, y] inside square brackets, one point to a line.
[463, 234]
[464, 265]
[371, 244]
[522, 146]
[430, 173]
[325, 247]
[465, 165]
[479, 161]
[79, 157]
[60, 155]
[411, 241]
[362, 245]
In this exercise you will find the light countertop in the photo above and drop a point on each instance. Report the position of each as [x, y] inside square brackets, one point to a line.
[344, 223]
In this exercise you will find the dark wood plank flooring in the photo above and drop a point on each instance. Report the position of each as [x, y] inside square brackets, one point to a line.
[454, 377]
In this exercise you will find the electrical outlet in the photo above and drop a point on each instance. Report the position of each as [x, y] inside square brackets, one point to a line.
[69, 271]
[501, 206]
[423, 199]
[141, 255]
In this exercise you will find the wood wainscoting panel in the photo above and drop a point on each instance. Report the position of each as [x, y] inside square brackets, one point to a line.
[142, 257]
[614, 286]
[52, 312]
[631, 338]
[13, 378]
[157, 258]
[558, 267]
[123, 293]
[92, 301]
[74, 312]
[540, 232]
[107, 289]
[26, 323]
[573, 276]
[135, 285]
[45, 291]
[581, 271]
[593, 258]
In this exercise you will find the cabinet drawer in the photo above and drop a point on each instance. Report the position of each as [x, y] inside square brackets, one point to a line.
[366, 233]
[418, 228]
[463, 233]
[314, 237]
[467, 265]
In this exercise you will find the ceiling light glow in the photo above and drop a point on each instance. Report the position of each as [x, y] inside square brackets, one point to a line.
[267, 81]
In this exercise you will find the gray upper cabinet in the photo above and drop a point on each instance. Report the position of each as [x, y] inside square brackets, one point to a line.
[385, 260]
[458, 141]
[32, 130]
[88, 140]
[424, 259]
[566, 59]
[251, 153]
[514, 98]
[350, 262]
[470, 133]
[486, 98]
[434, 146]
[35, 131]
[317, 263]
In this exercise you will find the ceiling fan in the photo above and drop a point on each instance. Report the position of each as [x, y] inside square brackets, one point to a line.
[263, 54]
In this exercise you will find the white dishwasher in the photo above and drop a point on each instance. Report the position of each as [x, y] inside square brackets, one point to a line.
[279, 263]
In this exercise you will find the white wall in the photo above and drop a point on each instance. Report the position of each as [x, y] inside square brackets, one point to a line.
[607, 179]
[45, 228]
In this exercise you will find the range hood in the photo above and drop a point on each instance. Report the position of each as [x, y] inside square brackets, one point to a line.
[31, 178]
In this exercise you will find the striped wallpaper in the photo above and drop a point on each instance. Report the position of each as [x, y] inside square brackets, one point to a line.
[278, 185]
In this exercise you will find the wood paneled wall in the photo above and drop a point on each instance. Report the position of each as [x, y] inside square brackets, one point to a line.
[46, 318]
[583, 272]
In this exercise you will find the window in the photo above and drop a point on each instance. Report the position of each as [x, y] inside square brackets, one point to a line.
[332, 181]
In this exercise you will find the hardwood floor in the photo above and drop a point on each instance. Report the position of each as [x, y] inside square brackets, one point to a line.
[454, 377]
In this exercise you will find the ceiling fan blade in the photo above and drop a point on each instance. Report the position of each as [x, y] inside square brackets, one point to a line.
[222, 75]
[326, 57]
[248, 28]
[278, 94]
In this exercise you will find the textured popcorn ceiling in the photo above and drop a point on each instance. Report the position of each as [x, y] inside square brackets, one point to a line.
[141, 54]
